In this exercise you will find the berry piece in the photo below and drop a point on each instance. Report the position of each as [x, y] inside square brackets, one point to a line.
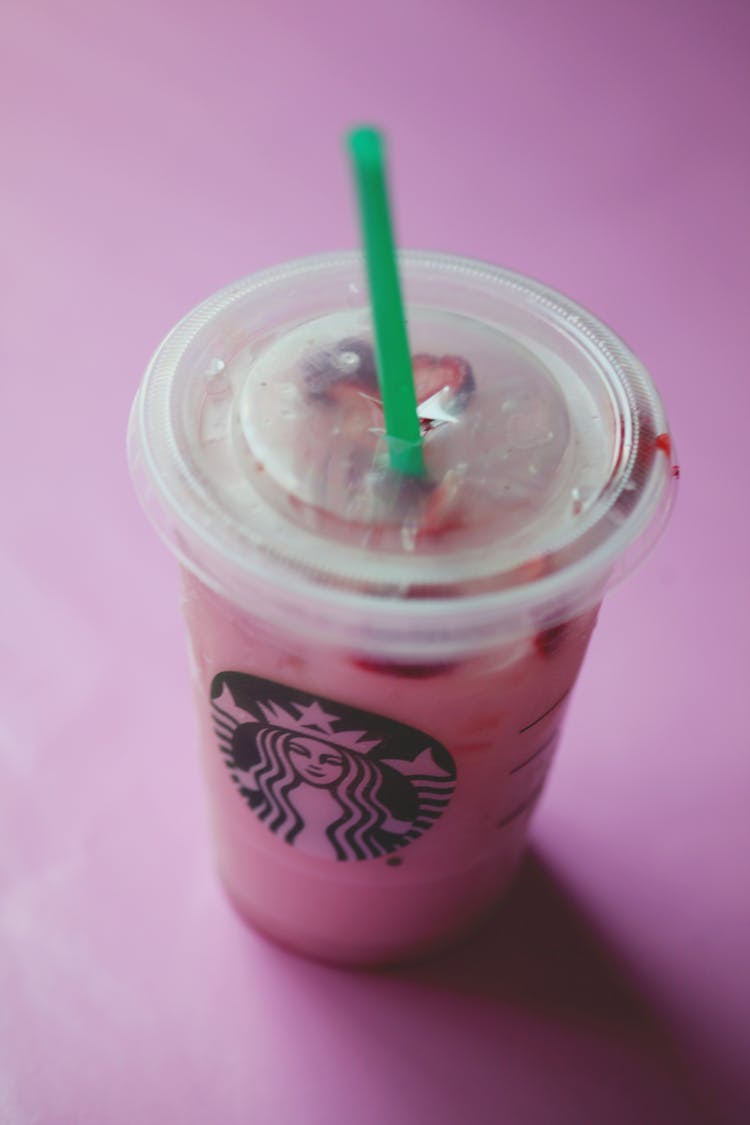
[549, 642]
[407, 671]
[436, 373]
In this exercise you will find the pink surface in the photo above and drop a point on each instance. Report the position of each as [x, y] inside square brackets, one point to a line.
[153, 152]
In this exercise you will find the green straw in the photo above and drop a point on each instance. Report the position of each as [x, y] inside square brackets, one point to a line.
[366, 151]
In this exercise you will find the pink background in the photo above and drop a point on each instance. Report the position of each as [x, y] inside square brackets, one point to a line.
[154, 151]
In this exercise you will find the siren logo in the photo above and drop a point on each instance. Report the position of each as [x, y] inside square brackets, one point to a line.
[327, 778]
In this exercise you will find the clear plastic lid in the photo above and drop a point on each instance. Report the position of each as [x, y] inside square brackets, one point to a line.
[258, 447]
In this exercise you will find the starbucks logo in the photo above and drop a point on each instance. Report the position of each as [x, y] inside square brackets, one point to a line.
[329, 779]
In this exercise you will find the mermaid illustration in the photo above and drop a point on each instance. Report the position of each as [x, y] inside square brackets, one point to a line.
[318, 780]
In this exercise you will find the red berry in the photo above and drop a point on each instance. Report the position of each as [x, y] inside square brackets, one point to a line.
[435, 373]
[407, 671]
[549, 642]
[664, 442]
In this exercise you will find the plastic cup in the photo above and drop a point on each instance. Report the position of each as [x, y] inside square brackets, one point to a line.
[382, 665]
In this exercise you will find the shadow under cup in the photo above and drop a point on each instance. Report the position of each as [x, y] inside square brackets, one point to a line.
[382, 668]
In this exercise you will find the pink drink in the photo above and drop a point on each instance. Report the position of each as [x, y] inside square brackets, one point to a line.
[382, 666]
[498, 714]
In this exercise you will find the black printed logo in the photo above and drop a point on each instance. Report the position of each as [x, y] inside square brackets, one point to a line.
[329, 779]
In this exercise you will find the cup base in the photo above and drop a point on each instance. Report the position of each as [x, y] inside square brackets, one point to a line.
[359, 951]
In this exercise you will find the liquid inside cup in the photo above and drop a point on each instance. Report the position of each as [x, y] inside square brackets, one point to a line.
[382, 664]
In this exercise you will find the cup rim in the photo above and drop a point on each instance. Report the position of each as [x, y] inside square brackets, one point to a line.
[199, 547]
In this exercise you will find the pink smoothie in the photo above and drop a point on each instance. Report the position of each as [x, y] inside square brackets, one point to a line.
[403, 836]
[499, 715]
[382, 664]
